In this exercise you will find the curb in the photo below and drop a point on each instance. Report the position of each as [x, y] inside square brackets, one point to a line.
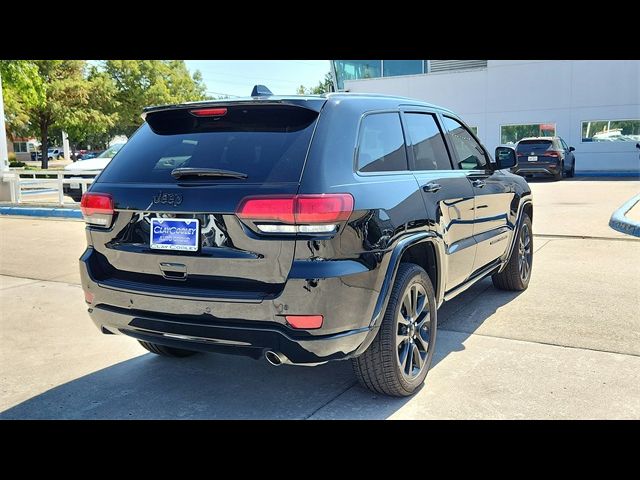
[623, 224]
[42, 212]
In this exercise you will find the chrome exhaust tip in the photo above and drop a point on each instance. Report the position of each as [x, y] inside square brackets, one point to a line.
[274, 358]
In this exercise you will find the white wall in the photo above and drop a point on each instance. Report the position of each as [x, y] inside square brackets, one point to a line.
[564, 92]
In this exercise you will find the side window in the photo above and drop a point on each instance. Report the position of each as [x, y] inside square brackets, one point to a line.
[381, 144]
[427, 142]
[470, 154]
[564, 145]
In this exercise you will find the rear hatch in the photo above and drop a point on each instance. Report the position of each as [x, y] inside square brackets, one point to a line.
[259, 148]
[531, 151]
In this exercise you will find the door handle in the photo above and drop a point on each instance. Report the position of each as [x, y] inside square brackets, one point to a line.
[478, 183]
[431, 187]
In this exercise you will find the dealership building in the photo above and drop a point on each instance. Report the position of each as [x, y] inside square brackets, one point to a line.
[593, 105]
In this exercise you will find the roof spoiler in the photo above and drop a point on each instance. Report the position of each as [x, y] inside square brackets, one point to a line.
[261, 91]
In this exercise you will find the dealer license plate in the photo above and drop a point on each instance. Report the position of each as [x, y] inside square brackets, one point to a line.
[175, 234]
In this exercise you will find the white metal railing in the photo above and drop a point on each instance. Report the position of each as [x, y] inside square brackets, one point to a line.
[39, 182]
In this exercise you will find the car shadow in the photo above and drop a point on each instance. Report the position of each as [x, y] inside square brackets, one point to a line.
[213, 386]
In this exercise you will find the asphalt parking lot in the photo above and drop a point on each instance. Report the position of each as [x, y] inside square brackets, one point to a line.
[568, 347]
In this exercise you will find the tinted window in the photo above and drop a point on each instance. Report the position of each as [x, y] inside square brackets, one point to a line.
[267, 143]
[534, 146]
[427, 143]
[470, 154]
[381, 144]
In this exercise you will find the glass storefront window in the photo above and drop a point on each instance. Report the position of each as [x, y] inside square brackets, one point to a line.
[356, 69]
[611, 131]
[393, 68]
[511, 134]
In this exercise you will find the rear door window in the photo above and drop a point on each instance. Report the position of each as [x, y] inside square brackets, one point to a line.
[427, 142]
[381, 145]
[268, 143]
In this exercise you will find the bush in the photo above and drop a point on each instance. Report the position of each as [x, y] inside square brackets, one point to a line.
[12, 157]
[15, 164]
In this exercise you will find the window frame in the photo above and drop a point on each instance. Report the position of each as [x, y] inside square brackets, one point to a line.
[491, 163]
[405, 110]
[356, 151]
[605, 120]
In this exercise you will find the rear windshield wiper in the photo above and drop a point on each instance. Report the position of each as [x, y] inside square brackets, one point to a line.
[206, 172]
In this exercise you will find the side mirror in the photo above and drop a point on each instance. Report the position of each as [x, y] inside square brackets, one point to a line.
[505, 157]
[572, 149]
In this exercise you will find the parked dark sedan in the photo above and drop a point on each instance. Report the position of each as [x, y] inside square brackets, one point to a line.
[548, 156]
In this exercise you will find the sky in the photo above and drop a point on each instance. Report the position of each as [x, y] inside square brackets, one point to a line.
[237, 77]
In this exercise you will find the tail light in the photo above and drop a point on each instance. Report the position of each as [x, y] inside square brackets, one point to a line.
[97, 209]
[296, 213]
[552, 153]
[520, 154]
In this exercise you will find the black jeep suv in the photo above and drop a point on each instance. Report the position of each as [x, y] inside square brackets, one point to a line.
[301, 229]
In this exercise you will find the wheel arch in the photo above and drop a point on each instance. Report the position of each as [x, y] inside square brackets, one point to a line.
[426, 250]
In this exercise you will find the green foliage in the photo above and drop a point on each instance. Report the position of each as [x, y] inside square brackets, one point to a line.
[21, 89]
[15, 164]
[324, 86]
[90, 103]
[12, 157]
[142, 83]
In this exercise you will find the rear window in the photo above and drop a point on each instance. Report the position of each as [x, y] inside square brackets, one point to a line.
[268, 143]
[534, 145]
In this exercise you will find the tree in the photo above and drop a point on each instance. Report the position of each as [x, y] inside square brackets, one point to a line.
[20, 87]
[142, 83]
[53, 93]
[96, 120]
[325, 86]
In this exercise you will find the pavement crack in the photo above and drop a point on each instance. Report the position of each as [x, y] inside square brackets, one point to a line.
[35, 280]
[542, 343]
[307, 417]
[583, 237]
[540, 247]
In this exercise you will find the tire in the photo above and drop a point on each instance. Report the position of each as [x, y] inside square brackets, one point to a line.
[572, 171]
[165, 351]
[559, 175]
[512, 278]
[380, 368]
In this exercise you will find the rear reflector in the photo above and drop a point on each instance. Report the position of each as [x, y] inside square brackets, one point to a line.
[209, 112]
[299, 213]
[97, 209]
[88, 296]
[307, 322]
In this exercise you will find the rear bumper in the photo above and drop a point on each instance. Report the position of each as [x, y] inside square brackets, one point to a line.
[72, 192]
[243, 327]
[249, 340]
[529, 169]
